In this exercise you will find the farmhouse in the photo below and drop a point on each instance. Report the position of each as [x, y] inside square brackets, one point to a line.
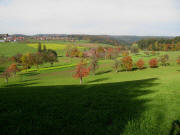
[2, 36]
[13, 39]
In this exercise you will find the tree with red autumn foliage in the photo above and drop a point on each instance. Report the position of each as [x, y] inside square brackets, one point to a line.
[6, 75]
[13, 69]
[140, 64]
[153, 63]
[127, 63]
[81, 71]
[178, 60]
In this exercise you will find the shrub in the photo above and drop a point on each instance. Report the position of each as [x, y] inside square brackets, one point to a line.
[125, 53]
[164, 60]
[140, 64]
[153, 63]
[127, 63]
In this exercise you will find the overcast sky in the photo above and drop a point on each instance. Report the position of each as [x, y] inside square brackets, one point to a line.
[115, 17]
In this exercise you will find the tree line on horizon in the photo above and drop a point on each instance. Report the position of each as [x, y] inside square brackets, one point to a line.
[162, 44]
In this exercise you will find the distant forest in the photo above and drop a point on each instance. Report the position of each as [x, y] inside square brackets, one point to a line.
[157, 44]
[144, 42]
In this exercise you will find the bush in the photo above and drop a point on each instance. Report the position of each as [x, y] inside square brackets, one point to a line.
[153, 63]
[140, 64]
[127, 63]
[125, 53]
[164, 60]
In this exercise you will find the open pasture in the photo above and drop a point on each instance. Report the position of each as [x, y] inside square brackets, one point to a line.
[49, 100]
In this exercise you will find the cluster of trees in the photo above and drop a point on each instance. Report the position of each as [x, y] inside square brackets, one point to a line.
[35, 59]
[160, 44]
[26, 61]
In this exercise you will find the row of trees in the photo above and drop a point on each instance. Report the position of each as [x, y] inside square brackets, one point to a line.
[126, 63]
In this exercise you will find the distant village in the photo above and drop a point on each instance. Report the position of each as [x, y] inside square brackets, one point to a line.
[15, 38]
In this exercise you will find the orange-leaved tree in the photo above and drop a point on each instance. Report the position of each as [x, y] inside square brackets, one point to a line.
[6, 75]
[153, 63]
[127, 63]
[13, 69]
[81, 71]
[178, 60]
[140, 64]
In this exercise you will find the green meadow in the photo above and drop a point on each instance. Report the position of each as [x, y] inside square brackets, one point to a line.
[49, 100]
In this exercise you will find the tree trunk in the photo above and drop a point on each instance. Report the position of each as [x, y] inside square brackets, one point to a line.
[14, 74]
[80, 80]
[6, 79]
[93, 72]
[51, 64]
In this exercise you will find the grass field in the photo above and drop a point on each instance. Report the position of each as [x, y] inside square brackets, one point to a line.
[51, 101]
[12, 48]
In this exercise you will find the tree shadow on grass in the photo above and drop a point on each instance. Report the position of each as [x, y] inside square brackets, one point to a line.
[97, 109]
[29, 80]
[98, 80]
[175, 130]
[31, 73]
[2, 69]
[103, 72]
[22, 83]
[17, 85]
[133, 69]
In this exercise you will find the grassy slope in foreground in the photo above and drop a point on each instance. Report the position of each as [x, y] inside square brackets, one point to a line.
[138, 102]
